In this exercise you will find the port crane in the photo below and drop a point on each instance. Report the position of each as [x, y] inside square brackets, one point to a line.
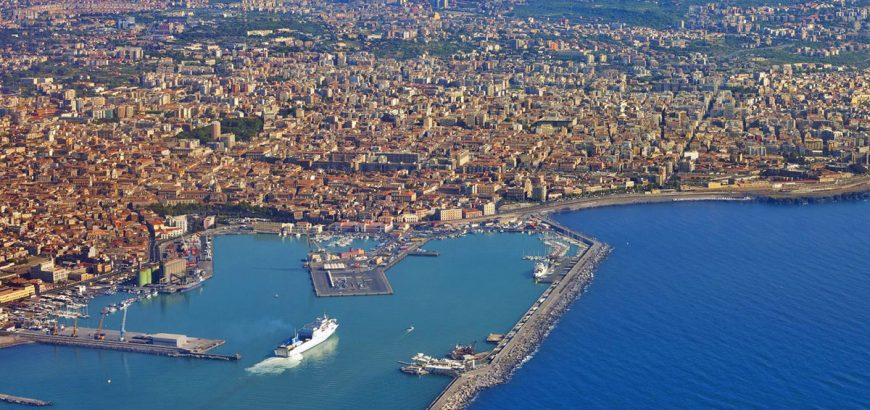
[99, 335]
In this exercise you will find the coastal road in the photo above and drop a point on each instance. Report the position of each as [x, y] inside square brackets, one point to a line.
[856, 184]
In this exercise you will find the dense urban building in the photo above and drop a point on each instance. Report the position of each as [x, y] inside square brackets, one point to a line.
[116, 117]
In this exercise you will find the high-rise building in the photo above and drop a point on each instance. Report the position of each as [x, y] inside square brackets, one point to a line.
[215, 130]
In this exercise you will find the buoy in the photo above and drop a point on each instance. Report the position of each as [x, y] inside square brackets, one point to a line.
[109, 381]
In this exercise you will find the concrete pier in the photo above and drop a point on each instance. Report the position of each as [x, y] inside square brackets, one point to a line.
[23, 401]
[349, 281]
[133, 342]
[11, 340]
[530, 330]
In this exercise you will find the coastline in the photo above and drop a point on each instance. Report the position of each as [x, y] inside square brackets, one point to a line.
[857, 189]
[464, 392]
[463, 389]
[531, 330]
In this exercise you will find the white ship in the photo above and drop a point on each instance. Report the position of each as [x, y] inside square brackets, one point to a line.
[541, 270]
[311, 335]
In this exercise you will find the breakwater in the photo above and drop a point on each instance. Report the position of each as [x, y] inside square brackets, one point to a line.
[527, 335]
[7, 340]
[24, 401]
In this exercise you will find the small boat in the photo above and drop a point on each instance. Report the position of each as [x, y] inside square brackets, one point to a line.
[410, 329]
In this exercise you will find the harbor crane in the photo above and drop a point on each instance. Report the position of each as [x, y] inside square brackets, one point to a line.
[99, 335]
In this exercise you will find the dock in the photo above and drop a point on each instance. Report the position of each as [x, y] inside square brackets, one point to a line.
[530, 330]
[24, 401]
[162, 344]
[11, 341]
[344, 278]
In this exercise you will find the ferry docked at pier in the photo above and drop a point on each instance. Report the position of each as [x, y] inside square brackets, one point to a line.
[311, 335]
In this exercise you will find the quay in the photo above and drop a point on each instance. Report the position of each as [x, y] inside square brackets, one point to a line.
[162, 344]
[11, 341]
[531, 329]
[340, 277]
[24, 401]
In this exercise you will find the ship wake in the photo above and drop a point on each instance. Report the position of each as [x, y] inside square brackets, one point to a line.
[275, 365]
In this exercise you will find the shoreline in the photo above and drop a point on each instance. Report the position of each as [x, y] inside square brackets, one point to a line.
[846, 192]
[464, 389]
[541, 319]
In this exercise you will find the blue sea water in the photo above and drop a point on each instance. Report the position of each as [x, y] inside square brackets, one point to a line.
[479, 284]
[701, 305]
[712, 305]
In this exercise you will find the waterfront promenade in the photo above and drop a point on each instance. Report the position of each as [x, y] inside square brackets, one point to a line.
[855, 185]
